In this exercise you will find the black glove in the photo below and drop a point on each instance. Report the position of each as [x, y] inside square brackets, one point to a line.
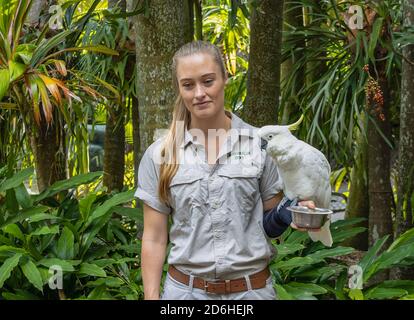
[276, 220]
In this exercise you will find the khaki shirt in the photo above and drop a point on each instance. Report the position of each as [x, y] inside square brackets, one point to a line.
[216, 210]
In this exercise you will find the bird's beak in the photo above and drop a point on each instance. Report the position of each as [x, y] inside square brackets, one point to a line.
[295, 126]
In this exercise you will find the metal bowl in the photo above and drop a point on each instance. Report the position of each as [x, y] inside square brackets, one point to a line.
[307, 218]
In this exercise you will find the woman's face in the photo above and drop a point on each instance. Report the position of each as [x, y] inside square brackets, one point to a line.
[201, 85]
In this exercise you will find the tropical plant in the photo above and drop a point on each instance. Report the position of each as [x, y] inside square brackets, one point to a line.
[227, 25]
[305, 270]
[34, 81]
[91, 241]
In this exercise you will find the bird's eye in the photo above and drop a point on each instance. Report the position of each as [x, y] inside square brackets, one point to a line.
[270, 136]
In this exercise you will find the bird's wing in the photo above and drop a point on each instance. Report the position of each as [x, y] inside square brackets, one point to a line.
[316, 168]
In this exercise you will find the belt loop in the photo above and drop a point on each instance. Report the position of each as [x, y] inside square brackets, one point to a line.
[249, 285]
[191, 283]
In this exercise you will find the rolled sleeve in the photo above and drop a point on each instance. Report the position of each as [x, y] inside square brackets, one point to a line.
[270, 182]
[148, 177]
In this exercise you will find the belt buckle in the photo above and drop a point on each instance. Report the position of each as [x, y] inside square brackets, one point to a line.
[225, 282]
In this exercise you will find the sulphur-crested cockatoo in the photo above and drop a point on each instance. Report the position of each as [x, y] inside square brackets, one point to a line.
[304, 170]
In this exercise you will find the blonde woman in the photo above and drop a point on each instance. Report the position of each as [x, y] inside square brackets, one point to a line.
[211, 175]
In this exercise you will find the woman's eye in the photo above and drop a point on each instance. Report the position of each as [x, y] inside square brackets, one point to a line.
[208, 81]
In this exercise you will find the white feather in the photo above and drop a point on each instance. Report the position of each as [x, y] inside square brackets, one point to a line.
[304, 170]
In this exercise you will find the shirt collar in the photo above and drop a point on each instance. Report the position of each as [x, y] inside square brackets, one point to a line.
[242, 129]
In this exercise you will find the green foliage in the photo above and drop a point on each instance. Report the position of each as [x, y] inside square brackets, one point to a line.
[92, 239]
[306, 270]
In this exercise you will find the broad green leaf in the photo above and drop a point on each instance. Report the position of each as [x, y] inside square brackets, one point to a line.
[342, 235]
[385, 293]
[24, 214]
[341, 224]
[25, 52]
[32, 274]
[288, 248]
[99, 293]
[356, 294]
[109, 282]
[45, 230]
[89, 236]
[16, 180]
[388, 259]
[407, 285]
[85, 205]
[43, 216]
[117, 199]
[11, 202]
[7, 267]
[68, 184]
[103, 262]
[296, 237]
[23, 197]
[20, 295]
[90, 269]
[304, 291]
[66, 266]
[4, 87]
[16, 70]
[47, 45]
[282, 294]
[376, 29]
[65, 245]
[12, 249]
[15, 231]
[334, 252]
[97, 48]
[132, 213]
[407, 236]
[294, 263]
[319, 272]
[371, 255]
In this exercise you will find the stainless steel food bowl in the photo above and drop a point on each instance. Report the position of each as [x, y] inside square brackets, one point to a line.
[304, 217]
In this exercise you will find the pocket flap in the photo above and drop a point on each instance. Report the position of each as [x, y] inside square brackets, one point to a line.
[234, 171]
[186, 178]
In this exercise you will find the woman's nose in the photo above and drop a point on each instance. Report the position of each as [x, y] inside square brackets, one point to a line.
[199, 92]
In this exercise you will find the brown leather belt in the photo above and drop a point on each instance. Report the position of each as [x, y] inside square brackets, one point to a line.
[257, 280]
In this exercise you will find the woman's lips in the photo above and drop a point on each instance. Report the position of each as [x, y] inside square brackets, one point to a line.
[202, 105]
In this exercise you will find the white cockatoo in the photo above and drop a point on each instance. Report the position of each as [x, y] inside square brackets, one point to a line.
[304, 170]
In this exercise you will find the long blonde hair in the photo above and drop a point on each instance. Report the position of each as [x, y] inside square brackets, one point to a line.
[174, 137]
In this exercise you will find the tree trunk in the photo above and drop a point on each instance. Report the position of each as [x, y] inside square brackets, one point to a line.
[135, 137]
[405, 182]
[263, 77]
[49, 150]
[405, 186]
[198, 20]
[33, 17]
[358, 202]
[159, 35]
[114, 148]
[114, 144]
[293, 18]
[379, 185]
[48, 140]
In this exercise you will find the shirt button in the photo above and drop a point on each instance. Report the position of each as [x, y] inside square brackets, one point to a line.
[216, 205]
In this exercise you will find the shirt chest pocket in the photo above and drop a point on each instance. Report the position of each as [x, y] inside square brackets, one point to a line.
[186, 194]
[241, 188]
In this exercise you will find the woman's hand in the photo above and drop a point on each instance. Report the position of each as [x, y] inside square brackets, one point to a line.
[311, 205]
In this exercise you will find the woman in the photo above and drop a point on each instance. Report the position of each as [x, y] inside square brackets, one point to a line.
[212, 176]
